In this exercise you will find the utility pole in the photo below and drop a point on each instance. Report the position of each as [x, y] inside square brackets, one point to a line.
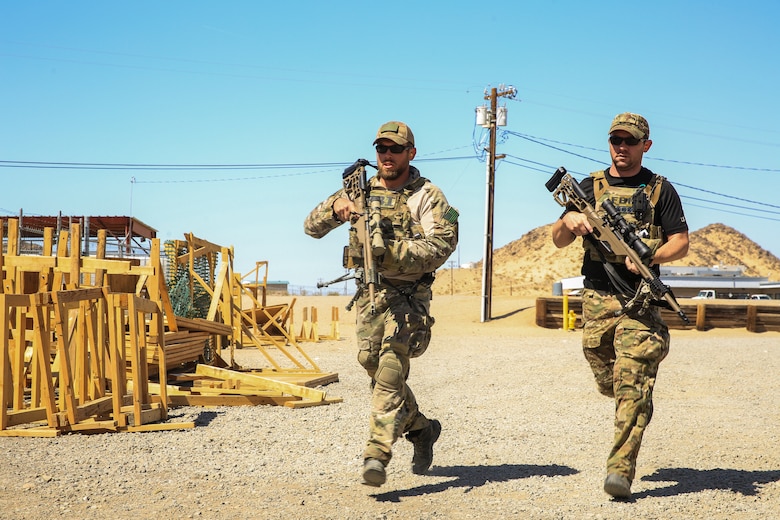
[452, 277]
[491, 118]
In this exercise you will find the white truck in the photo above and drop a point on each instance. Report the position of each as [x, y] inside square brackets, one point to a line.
[706, 294]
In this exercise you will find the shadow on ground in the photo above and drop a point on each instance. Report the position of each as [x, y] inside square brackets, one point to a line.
[470, 477]
[203, 419]
[687, 480]
[511, 313]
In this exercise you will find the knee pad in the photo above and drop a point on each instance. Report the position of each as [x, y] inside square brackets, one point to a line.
[390, 373]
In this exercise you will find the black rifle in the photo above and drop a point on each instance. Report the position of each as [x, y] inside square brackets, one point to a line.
[612, 234]
[366, 221]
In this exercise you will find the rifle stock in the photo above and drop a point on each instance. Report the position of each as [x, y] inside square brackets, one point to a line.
[613, 234]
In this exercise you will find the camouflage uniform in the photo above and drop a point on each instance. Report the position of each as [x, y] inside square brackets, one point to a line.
[420, 232]
[623, 347]
[624, 353]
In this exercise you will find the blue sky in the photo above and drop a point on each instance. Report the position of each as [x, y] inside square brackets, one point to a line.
[283, 95]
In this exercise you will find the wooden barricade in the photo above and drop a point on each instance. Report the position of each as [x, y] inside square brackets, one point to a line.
[260, 326]
[15, 367]
[310, 329]
[128, 324]
[264, 325]
[550, 311]
[702, 314]
[92, 331]
[78, 381]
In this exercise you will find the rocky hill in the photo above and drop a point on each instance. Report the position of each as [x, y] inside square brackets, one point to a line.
[530, 265]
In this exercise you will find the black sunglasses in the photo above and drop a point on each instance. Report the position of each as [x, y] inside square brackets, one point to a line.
[616, 140]
[396, 148]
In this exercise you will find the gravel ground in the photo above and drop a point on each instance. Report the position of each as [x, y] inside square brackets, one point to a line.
[525, 435]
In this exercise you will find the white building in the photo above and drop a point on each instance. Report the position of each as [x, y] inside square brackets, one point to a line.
[686, 282]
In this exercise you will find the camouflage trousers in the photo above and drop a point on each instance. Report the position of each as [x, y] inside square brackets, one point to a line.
[624, 353]
[387, 340]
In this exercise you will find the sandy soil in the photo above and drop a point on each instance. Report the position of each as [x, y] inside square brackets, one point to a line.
[525, 435]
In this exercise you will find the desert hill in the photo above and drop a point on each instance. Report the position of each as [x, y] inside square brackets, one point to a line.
[530, 265]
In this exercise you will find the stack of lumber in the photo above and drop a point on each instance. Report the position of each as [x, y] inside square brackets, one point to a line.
[88, 342]
[214, 386]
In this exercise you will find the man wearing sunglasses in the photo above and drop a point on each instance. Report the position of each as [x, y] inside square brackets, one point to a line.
[624, 349]
[420, 231]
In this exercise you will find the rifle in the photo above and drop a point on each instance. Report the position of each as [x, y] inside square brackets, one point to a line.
[366, 221]
[614, 235]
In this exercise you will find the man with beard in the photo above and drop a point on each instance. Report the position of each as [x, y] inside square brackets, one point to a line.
[420, 231]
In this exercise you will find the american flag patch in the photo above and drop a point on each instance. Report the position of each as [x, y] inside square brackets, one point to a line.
[451, 215]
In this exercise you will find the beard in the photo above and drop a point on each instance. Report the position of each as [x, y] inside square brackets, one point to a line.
[389, 174]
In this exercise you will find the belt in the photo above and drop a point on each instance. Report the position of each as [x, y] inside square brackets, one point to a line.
[601, 292]
[599, 286]
[426, 279]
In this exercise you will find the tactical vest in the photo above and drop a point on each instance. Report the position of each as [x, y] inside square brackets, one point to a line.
[395, 219]
[636, 205]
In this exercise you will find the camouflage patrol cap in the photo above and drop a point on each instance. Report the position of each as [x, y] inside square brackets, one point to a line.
[397, 132]
[634, 124]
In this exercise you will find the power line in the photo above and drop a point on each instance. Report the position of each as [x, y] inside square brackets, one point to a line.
[735, 205]
[734, 212]
[547, 169]
[142, 166]
[190, 167]
[732, 197]
[327, 167]
[538, 140]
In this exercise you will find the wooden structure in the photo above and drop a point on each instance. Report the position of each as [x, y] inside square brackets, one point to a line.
[215, 386]
[239, 303]
[310, 330]
[70, 343]
[83, 338]
[751, 315]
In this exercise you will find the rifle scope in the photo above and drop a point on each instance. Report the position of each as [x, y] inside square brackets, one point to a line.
[626, 231]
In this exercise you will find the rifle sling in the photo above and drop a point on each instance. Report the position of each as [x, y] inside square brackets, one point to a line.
[622, 288]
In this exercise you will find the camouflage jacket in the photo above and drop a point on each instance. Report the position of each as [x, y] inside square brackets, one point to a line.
[419, 227]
